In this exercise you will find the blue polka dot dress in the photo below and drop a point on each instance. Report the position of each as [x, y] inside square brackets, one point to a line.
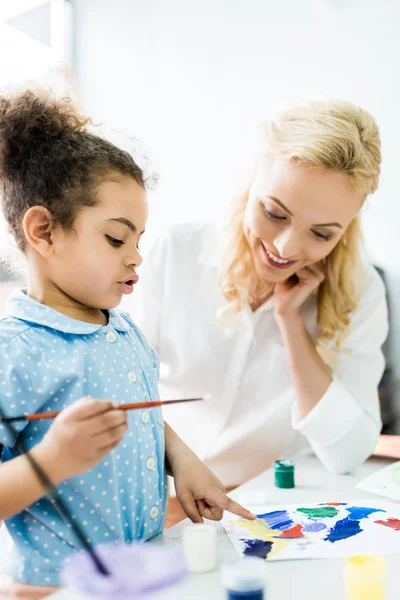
[47, 362]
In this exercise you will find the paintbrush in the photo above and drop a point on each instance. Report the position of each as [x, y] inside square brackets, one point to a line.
[55, 497]
[134, 406]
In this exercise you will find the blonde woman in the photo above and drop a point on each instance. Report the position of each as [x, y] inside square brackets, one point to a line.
[284, 328]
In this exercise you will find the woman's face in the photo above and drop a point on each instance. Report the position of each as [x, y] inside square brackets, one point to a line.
[295, 215]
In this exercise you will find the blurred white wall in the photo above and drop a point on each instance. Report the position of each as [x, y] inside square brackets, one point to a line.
[193, 79]
[35, 47]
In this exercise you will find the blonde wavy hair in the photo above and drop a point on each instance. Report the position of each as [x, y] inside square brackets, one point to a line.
[336, 135]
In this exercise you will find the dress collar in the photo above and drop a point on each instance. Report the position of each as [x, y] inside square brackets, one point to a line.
[20, 306]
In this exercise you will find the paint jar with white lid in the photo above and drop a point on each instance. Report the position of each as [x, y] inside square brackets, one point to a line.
[245, 578]
[199, 543]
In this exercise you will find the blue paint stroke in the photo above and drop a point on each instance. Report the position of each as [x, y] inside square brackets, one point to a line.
[278, 519]
[313, 526]
[361, 512]
[257, 548]
[343, 529]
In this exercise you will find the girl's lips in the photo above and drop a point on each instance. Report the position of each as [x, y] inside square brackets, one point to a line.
[126, 286]
[270, 261]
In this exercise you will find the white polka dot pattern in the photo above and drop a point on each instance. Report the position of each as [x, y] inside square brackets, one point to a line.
[47, 362]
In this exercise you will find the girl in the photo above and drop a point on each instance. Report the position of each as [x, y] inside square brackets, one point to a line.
[283, 327]
[76, 206]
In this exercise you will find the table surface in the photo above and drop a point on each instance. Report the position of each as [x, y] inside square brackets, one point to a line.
[311, 579]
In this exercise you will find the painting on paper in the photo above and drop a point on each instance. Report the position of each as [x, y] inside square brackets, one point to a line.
[324, 530]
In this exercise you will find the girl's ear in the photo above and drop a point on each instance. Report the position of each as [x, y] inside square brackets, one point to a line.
[39, 228]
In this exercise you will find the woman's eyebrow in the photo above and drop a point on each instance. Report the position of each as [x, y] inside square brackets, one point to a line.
[335, 224]
[285, 208]
[328, 225]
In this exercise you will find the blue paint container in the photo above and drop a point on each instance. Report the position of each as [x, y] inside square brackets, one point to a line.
[245, 578]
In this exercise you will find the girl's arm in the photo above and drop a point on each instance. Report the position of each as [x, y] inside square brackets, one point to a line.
[81, 436]
[200, 493]
[19, 485]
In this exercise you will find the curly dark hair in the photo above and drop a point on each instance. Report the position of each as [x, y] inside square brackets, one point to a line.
[49, 158]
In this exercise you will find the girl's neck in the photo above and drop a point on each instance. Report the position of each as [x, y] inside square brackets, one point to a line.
[50, 295]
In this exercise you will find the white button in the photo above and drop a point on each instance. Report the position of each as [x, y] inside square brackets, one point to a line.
[145, 417]
[154, 512]
[151, 464]
[110, 336]
[132, 377]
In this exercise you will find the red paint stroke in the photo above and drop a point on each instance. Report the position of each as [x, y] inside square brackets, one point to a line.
[294, 532]
[333, 503]
[392, 523]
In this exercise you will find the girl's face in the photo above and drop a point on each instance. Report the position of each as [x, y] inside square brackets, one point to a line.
[95, 264]
[295, 215]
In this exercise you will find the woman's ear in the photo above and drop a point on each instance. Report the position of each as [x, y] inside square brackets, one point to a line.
[39, 227]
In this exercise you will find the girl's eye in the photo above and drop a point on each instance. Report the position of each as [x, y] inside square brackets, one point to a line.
[273, 216]
[114, 242]
[322, 236]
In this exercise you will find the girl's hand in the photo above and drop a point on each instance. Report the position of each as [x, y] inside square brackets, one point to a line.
[201, 494]
[81, 436]
[290, 295]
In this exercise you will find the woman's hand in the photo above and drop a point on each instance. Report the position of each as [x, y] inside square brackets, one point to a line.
[200, 493]
[290, 295]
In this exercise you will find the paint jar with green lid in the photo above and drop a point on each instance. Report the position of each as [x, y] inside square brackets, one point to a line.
[284, 473]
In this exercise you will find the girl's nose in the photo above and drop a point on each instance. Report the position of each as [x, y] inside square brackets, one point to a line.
[135, 259]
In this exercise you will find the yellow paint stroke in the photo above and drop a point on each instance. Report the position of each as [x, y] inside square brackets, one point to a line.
[261, 530]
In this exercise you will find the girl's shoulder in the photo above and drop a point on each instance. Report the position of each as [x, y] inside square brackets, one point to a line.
[11, 328]
[15, 333]
[139, 337]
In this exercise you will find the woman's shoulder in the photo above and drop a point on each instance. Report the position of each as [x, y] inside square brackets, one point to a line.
[369, 321]
[371, 288]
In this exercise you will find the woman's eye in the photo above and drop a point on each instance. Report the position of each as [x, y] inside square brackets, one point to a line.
[114, 242]
[272, 215]
[322, 236]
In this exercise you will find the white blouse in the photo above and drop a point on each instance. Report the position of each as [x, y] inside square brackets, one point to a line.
[250, 415]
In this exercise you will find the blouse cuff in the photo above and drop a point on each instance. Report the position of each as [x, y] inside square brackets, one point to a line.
[331, 419]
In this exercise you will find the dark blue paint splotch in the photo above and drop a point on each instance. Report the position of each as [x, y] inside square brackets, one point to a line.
[343, 529]
[258, 548]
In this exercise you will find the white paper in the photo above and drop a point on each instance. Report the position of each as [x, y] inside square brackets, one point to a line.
[385, 482]
[302, 532]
